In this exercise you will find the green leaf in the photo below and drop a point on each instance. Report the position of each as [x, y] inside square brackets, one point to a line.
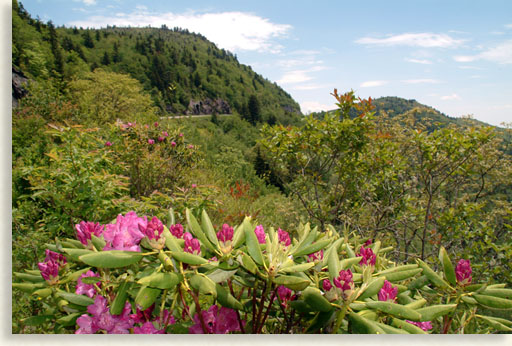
[238, 236]
[493, 302]
[208, 228]
[197, 230]
[164, 281]
[397, 269]
[311, 248]
[449, 272]
[146, 297]
[394, 309]
[220, 275]
[34, 321]
[292, 282]
[43, 292]
[434, 311]
[69, 320]
[76, 253]
[226, 299]
[333, 265]
[390, 330]
[72, 277]
[99, 243]
[171, 217]
[253, 246]
[314, 298]
[432, 275]
[249, 264]
[321, 320]
[495, 323]
[120, 299]
[409, 327]
[348, 262]
[189, 258]
[28, 288]
[111, 259]
[203, 284]
[29, 277]
[402, 275]
[361, 325]
[498, 292]
[373, 288]
[416, 304]
[77, 299]
[418, 283]
[297, 268]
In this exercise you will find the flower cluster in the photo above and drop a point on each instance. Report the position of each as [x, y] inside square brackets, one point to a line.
[344, 281]
[153, 231]
[316, 256]
[463, 272]
[260, 234]
[191, 244]
[103, 320]
[125, 234]
[284, 237]
[423, 325]
[84, 230]
[285, 295]
[87, 289]
[368, 257]
[177, 230]
[343, 286]
[144, 317]
[388, 292]
[217, 321]
[225, 234]
[51, 265]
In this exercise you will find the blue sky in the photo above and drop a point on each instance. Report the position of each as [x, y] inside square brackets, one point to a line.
[455, 56]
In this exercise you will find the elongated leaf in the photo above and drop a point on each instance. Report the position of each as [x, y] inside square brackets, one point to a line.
[226, 299]
[28, 287]
[449, 272]
[373, 288]
[74, 254]
[249, 264]
[220, 275]
[203, 284]
[238, 236]
[417, 303]
[418, 283]
[292, 282]
[29, 277]
[172, 220]
[43, 292]
[34, 321]
[434, 311]
[493, 302]
[208, 229]
[349, 262]
[321, 320]
[146, 297]
[333, 247]
[361, 325]
[253, 246]
[120, 299]
[396, 310]
[164, 281]
[391, 330]
[432, 275]
[77, 299]
[189, 258]
[99, 243]
[312, 248]
[314, 298]
[197, 230]
[397, 269]
[69, 320]
[498, 292]
[409, 327]
[297, 268]
[111, 259]
[333, 265]
[402, 275]
[495, 323]
[72, 277]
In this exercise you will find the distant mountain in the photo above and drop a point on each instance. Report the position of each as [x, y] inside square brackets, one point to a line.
[183, 71]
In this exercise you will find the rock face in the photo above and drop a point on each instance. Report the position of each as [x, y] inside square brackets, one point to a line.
[18, 86]
[208, 106]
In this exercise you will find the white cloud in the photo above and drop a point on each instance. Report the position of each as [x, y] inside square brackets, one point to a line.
[508, 26]
[419, 61]
[314, 106]
[292, 77]
[450, 97]
[89, 2]
[141, 7]
[421, 81]
[501, 54]
[373, 83]
[310, 87]
[425, 40]
[235, 31]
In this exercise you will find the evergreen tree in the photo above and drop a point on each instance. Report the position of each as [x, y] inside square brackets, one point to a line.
[88, 42]
[254, 109]
[106, 59]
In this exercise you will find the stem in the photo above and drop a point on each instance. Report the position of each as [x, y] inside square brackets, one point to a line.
[262, 304]
[237, 312]
[339, 318]
[199, 313]
[268, 309]
[185, 306]
[164, 295]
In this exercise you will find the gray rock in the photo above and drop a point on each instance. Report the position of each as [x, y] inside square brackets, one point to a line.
[19, 80]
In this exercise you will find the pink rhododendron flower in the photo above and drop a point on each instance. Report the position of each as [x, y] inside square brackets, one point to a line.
[316, 256]
[368, 257]
[344, 281]
[423, 325]
[101, 319]
[225, 234]
[148, 328]
[217, 321]
[173, 144]
[177, 230]
[181, 135]
[260, 234]
[161, 139]
[368, 242]
[151, 141]
[84, 230]
[284, 237]
[463, 272]
[55, 257]
[388, 292]
[128, 125]
[326, 285]
[49, 271]
[153, 229]
[165, 134]
[87, 289]
[190, 146]
[285, 295]
[156, 124]
[108, 144]
[125, 233]
[191, 244]
[193, 186]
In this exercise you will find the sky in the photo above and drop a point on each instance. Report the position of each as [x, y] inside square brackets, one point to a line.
[455, 56]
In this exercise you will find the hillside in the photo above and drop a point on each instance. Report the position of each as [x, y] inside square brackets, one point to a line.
[182, 71]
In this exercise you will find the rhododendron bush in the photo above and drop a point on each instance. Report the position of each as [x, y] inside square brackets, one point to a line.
[137, 275]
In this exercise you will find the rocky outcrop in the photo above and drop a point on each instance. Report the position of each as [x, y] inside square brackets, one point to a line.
[208, 106]
[19, 81]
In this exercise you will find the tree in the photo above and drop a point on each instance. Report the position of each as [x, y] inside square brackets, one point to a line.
[253, 107]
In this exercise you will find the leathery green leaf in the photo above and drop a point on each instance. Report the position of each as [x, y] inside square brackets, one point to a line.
[120, 299]
[449, 272]
[373, 288]
[434, 311]
[111, 259]
[147, 296]
[292, 282]
[203, 284]
[361, 325]
[226, 299]
[314, 298]
[333, 265]
[396, 310]
[208, 228]
[164, 281]
[78, 299]
[253, 246]
[410, 328]
[432, 275]
[197, 230]
[189, 258]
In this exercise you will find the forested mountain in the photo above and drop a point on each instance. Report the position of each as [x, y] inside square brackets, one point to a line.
[182, 71]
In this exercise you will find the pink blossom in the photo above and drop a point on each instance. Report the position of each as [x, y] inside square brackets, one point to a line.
[161, 139]
[108, 144]
[148, 328]
[87, 289]
[153, 229]
[156, 124]
[191, 244]
[177, 230]
[226, 234]
[84, 230]
[284, 237]
[326, 285]
[173, 144]
[388, 292]
[217, 321]
[463, 272]
[101, 319]
[146, 126]
[260, 234]
[125, 233]
[49, 271]
[285, 295]
[151, 141]
[344, 281]
[190, 146]
[55, 257]
[316, 256]
[368, 242]
[165, 134]
[193, 186]
[423, 325]
[368, 257]
[181, 135]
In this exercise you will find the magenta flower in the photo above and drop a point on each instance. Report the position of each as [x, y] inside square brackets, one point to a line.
[153, 229]
[84, 230]
[87, 289]
[125, 233]
[161, 139]
[344, 281]
[326, 285]
[193, 186]
[217, 321]
[128, 125]
[260, 234]
[55, 257]
[49, 271]
[284, 237]
[190, 146]
[226, 234]
[148, 328]
[156, 124]
[165, 134]
[463, 272]
[101, 319]
[423, 325]
[108, 144]
[368, 242]
[388, 292]
[177, 230]
[151, 141]
[181, 135]
[173, 144]
[316, 256]
[191, 244]
[142, 316]
[368, 257]
[285, 295]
